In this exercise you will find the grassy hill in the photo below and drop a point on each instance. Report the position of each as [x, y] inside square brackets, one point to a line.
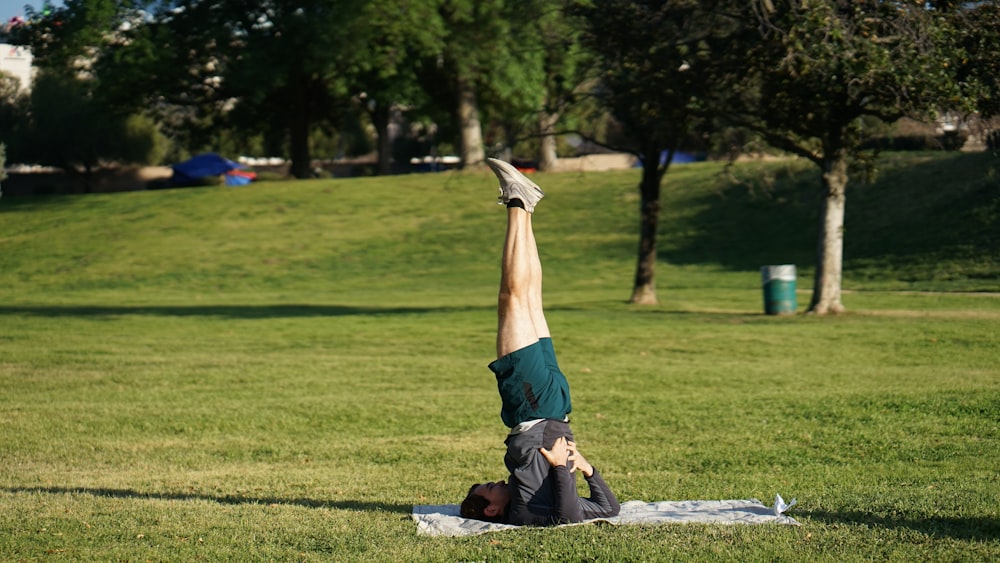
[281, 371]
[929, 222]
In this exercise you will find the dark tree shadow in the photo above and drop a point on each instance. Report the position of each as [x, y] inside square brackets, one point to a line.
[770, 215]
[970, 529]
[226, 311]
[354, 505]
[291, 311]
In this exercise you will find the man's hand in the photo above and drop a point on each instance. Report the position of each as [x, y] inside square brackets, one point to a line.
[559, 455]
[579, 462]
[564, 451]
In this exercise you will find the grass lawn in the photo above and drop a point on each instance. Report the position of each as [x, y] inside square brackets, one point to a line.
[281, 371]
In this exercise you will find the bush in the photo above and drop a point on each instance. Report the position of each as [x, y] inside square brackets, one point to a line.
[949, 141]
[144, 143]
[953, 140]
[993, 140]
[270, 176]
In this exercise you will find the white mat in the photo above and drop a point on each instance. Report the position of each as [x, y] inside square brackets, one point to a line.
[444, 519]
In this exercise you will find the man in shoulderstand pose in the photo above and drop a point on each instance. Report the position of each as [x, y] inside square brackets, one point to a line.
[541, 454]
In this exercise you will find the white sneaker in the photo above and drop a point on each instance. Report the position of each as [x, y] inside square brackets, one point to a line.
[514, 185]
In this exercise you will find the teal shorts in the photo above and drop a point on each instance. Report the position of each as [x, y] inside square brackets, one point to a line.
[531, 384]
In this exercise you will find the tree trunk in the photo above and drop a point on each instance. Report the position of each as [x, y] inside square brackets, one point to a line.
[830, 260]
[298, 134]
[644, 289]
[381, 115]
[547, 157]
[88, 178]
[472, 152]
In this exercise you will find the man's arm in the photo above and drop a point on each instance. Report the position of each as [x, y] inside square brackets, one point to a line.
[602, 502]
[563, 483]
[570, 508]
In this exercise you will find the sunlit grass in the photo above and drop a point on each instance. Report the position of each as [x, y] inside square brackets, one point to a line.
[281, 371]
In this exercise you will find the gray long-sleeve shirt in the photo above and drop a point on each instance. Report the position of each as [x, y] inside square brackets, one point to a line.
[542, 495]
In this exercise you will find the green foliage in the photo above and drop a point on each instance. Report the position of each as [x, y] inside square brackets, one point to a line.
[977, 27]
[78, 115]
[285, 65]
[815, 70]
[402, 36]
[10, 88]
[494, 57]
[654, 69]
[949, 141]
[159, 70]
[69, 129]
[144, 143]
[14, 106]
[64, 39]
[514, 65]
[224, 374]
[822, 66]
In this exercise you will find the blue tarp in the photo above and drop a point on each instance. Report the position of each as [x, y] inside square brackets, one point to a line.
[680, 157]
[189, 172]
[239, 178]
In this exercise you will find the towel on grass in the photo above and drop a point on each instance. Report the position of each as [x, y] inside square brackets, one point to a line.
[444, 519]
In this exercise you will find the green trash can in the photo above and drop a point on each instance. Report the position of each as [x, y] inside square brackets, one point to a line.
[779, 289]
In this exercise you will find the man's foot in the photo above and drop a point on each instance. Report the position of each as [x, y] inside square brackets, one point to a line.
[514, 185]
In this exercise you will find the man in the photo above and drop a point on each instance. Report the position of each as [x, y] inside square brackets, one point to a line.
[541, 454]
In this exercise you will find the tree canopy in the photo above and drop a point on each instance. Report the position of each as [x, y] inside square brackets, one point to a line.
[977, 27]
[656, 69]
[813, 70]
[654, 77]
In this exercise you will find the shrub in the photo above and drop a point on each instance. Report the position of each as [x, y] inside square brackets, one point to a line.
[949, 141]
[270, 176]
[993, 140]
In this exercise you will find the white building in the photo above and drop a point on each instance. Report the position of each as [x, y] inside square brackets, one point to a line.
[16, 60]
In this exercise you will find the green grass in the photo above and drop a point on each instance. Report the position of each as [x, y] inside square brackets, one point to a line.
[279, 372]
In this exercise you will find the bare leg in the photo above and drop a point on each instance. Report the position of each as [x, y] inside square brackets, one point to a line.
[535, 288]
[520, 321]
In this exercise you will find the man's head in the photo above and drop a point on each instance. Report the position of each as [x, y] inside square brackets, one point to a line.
[487, 501]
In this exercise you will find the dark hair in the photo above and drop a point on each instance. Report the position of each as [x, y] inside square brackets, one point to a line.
[474, 506]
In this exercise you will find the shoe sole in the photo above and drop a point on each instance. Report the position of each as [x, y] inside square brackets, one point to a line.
[508, 174]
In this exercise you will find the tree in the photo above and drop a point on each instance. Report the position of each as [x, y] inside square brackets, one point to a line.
[483, 61]
[404, 32]
[528, 95]
[66, 122]
[68, 129]
[453, 73]
[563, 74]
[655, 63]
[978, 64]
[3, 163]
[278, 67]
[169, 66]
[814, 69]
[67, 39]
[13, 110]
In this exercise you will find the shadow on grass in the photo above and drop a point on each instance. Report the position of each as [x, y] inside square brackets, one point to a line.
[915, 211]
[354, 505]
[974, 529]
[226, 311]
[291, 311]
